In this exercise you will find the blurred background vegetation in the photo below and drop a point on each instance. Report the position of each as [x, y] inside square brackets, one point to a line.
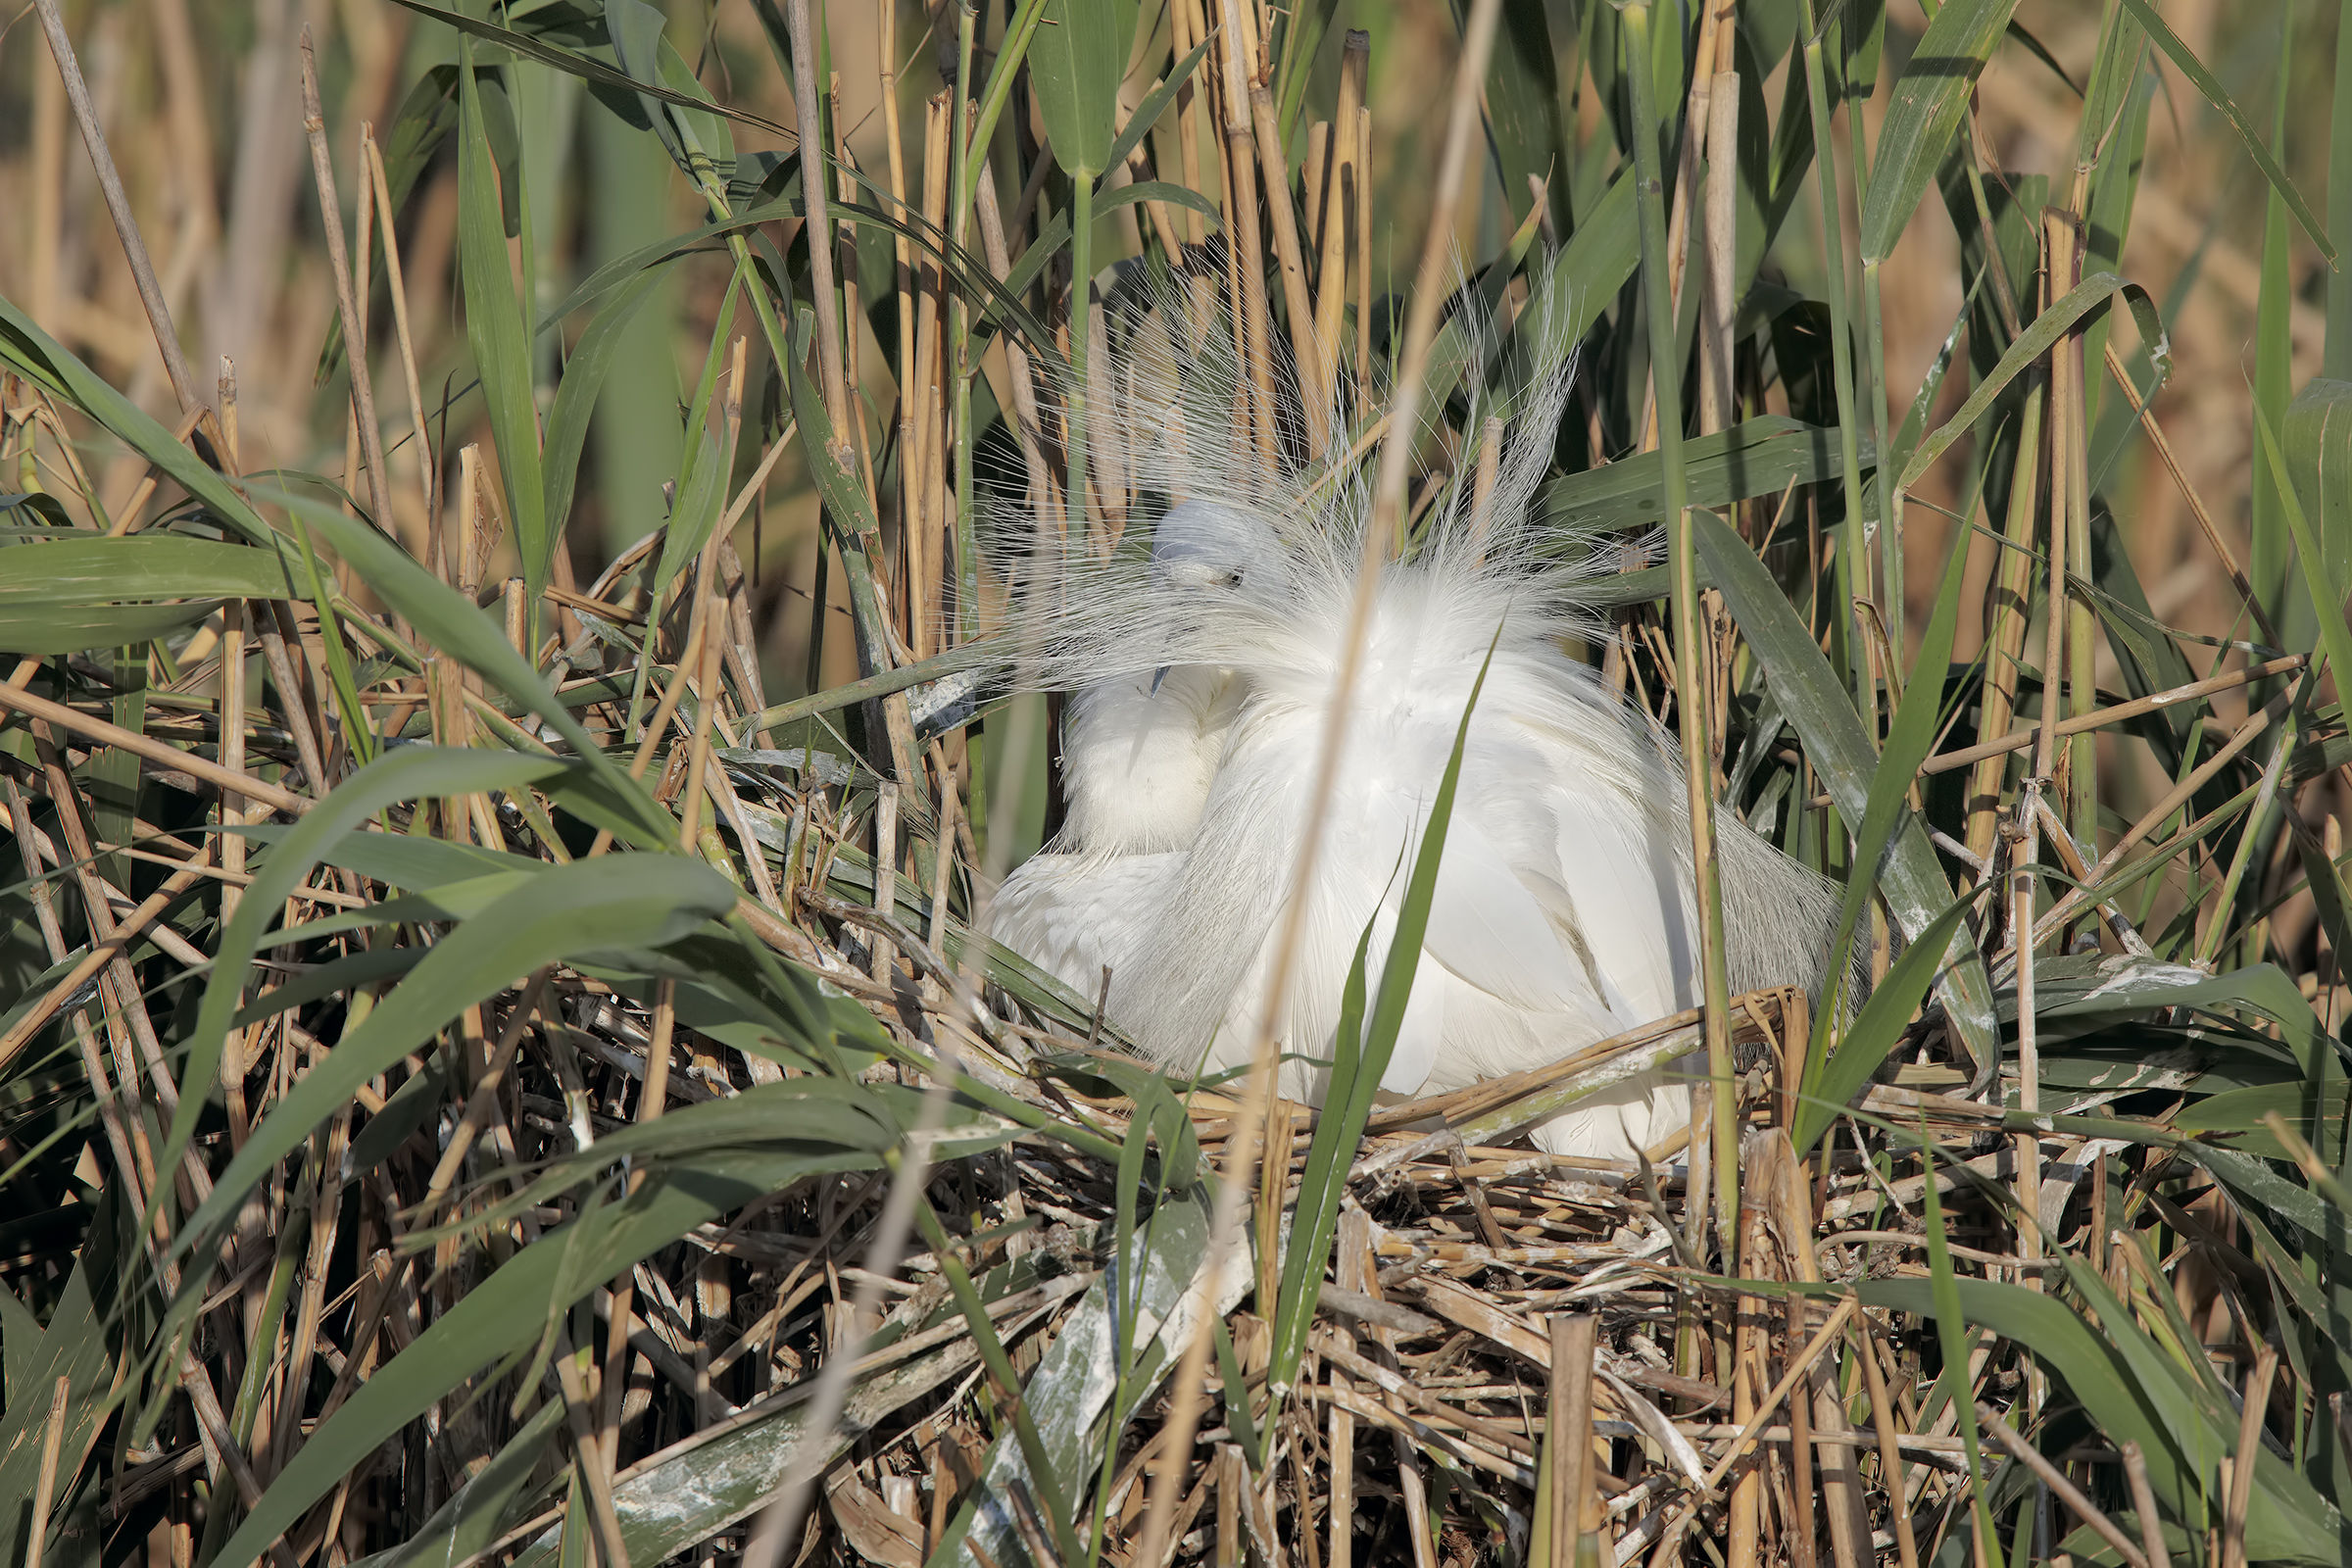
[200, 101]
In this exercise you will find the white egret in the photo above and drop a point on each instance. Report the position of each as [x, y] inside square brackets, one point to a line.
[1204, 668]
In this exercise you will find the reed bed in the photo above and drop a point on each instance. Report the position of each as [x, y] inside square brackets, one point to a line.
[507, 747]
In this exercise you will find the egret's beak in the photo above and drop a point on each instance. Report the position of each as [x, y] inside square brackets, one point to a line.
[1158, 675]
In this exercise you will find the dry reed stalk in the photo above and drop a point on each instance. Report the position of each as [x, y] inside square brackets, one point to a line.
[157, 752]
[1360, 66]
[2116, 714]
[1357, 1272]
[1744, 1542]
[1720, 309]
[130, 928]
[1483, 479]
[1342, 195]
[126, 518]
[1883, 1417]
[1306, 356]
[886, 871]
[857, 550]
[45, 1485]
[45, 227]
[1027, 422]
[921, 389]
[2069, 479]
[324, 1191]
[126, 1018]
[1569, 1430]
[2078, 865]
[127, 1139]
[1186, 31]
[832, 377]
[2111, 865]
[355, 325]
[444, 675]
[1241, 1154]
[1244, 246]
[1273, 1182]
[1843, 1494]
[902, 269]
[852, 312]
[596, 1471]
[1314, 179]
[1163, 227]
[378, 187]
[355, 281]
[2254, 1406]
[1355, 1253]
[1698, 113]
[2143, 1503]
[701, 653]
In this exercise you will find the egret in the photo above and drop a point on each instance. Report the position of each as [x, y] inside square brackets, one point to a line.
[1203, 665]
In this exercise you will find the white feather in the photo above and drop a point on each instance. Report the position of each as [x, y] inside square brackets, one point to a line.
[1563, 906]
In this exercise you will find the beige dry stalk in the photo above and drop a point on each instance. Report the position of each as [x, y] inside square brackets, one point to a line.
[1395, 459]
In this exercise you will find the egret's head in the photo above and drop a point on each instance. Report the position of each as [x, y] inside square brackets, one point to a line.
[1203, 548]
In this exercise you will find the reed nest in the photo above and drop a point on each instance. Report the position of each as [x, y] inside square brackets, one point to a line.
[496, 1060]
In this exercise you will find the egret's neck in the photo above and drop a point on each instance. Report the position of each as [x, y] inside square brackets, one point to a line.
[1136, 764]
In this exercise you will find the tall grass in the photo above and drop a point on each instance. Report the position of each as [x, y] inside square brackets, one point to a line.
[505, 764]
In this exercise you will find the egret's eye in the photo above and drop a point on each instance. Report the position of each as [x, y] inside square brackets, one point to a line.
[1233, 578]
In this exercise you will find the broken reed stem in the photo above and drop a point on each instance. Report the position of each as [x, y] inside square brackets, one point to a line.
[2254, 1404]
[1569, 1432]
[1242, 1146]
[2143, 1503]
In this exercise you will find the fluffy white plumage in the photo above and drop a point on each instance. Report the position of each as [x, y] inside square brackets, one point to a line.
[1563, 911]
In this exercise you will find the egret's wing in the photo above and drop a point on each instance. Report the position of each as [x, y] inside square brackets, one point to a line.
[1488, 949]
[1490, 930]
[1623, 878]
[1073, 915]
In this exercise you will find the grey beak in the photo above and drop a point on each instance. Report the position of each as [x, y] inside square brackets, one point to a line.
[1158, 675]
